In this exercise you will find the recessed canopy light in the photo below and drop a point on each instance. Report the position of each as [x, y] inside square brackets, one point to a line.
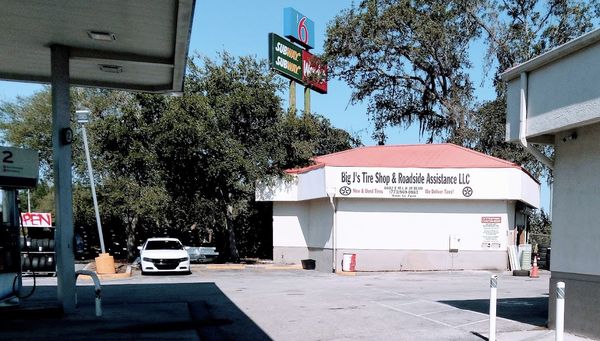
[111, 68]
[100, 35]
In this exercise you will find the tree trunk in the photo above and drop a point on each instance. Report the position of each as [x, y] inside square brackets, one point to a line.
[233, 251]
[131, 240]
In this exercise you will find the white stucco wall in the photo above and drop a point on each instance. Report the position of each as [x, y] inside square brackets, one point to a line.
[288, 220]
[312, 185]
[417, 224]
[576, 204]
[302, 224]
[321, 221]
[560, 95]
[392, 224]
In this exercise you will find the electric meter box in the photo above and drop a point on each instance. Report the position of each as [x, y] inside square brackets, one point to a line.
[454, 241]
[19, 168]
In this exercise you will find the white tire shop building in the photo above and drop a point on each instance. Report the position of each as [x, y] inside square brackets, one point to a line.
[405, 207]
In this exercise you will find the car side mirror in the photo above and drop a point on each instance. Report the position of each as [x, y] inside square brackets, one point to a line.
[139, 248]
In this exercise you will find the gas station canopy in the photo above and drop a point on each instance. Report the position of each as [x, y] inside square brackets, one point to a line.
[137, 45]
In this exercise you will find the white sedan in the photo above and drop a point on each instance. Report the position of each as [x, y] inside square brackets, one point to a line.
[164, 255]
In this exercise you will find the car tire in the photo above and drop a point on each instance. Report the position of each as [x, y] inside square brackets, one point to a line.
[144, 273]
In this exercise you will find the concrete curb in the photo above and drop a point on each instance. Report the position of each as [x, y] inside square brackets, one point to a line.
[226, 267]
[248, 266]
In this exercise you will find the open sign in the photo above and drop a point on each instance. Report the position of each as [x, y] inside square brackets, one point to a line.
[34, 219]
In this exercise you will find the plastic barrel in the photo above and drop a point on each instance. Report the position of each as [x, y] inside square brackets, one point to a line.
[349, 262]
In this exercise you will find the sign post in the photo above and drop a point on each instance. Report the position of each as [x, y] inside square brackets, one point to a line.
[292, 96]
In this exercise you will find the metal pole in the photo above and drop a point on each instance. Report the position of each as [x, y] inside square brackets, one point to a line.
[333, 232]
[560, 311]
[63, 198]
[28, 201]
[306, 100]
[334, 235]
[493, 298]
[91, 175]
[293, 96]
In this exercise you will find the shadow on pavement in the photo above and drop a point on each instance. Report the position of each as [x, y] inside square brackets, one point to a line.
[530, 310]
[182, 311]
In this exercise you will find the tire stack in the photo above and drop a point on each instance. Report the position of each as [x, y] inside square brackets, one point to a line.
[37, 254]
[38, 263]
[544, 256]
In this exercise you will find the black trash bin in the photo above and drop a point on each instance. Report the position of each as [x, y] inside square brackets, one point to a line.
[308, 264]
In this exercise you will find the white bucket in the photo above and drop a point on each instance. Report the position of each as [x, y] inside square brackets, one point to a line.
[349, 262]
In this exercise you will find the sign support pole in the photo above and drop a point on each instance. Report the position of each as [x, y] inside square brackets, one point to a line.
[306, 100]
[292, 96]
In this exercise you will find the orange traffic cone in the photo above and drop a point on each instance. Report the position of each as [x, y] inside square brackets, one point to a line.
[534, 270]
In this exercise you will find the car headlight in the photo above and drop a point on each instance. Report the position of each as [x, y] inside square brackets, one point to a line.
[146, 259]
[184, 259]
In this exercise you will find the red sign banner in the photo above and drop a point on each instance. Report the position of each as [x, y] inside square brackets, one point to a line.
[314, 72]
[34, 219]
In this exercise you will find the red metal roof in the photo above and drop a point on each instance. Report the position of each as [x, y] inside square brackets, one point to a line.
[445, 155]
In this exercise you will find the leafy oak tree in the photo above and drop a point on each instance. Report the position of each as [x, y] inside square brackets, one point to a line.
[182, 166]
[408, 59]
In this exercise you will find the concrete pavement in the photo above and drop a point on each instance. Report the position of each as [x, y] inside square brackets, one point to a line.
[259, 303]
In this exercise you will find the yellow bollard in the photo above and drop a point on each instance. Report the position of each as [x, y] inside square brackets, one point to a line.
[105, 264]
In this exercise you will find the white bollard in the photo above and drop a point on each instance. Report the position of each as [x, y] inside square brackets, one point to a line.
[493, 297]
[560, 311]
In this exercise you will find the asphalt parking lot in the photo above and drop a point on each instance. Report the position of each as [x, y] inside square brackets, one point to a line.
[263, 303]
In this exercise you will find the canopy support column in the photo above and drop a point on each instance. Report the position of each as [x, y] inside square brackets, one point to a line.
[61, 144]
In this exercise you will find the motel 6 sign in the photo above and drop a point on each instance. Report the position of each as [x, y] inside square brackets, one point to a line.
[292, 61]
[298, 28]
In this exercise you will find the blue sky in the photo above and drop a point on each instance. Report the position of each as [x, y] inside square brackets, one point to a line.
[241, 27]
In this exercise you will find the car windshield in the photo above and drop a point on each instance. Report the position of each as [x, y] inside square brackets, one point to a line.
[164, 245]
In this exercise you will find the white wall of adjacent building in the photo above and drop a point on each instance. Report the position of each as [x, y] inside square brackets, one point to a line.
[576, 204]
[551, 108]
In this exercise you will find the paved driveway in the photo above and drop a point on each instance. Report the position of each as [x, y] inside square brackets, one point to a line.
[259, 303]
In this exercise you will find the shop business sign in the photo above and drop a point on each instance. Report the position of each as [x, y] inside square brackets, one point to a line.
[420, 183]
[298, 28]
[36, 219]
[285, 57]
[314, 72]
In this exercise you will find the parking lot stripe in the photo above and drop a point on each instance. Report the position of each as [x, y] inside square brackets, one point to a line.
[415, 315]
[470, 323]
[440, 311]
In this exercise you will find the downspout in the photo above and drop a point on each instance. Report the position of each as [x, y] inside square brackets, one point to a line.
[332, 201]
[523, 126]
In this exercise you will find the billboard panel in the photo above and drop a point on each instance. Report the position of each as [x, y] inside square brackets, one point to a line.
[314, 72]
[285, 57]
[298, 28]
